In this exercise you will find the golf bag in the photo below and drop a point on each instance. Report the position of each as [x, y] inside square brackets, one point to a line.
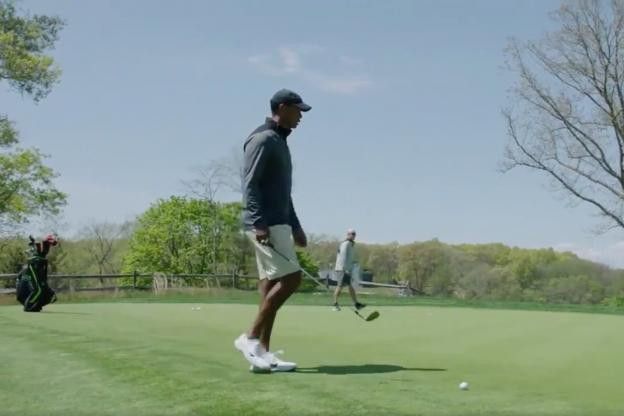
[32, 281]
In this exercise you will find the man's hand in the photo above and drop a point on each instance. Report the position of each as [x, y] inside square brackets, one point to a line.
[262, 235]
[300, 238]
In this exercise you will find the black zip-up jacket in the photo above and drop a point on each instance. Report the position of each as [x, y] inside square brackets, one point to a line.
[267, 181]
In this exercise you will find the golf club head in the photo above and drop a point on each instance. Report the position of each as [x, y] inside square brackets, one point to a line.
[374, 315]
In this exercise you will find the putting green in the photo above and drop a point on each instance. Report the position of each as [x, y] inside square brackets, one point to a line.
[168, 359]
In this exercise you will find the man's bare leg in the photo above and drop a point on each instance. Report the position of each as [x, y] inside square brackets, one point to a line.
[264, 288]
[337, 293]
[352, 293]
[274, 294]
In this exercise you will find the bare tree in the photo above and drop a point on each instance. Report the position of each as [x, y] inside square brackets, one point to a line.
[224, 174]
[209, 180]
[218, 175]
[234, 168]
[101, 243]
[567, 119]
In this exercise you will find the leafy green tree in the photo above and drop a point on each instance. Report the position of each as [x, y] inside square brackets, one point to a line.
[26, 187]
[178, 235]
[383, 260]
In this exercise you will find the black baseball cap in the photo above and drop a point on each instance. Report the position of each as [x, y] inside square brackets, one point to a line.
[289, 97]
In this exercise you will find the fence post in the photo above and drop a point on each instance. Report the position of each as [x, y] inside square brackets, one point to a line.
[134, 279]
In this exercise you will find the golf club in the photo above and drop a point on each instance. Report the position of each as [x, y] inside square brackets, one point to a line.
[370, 317]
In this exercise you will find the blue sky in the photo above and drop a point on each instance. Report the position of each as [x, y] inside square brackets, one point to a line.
[403, 142]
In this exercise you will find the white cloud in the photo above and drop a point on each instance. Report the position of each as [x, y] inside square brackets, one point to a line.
[290, 59]
[610, 254]
[332, 75]
[341, 85]
[264, 64]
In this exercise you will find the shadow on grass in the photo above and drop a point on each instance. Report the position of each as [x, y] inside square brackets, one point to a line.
[361, 369]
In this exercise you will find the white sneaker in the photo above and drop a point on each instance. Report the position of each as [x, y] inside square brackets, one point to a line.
[252, 351]
[277, 365]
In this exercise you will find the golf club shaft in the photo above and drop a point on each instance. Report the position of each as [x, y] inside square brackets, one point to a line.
[318, 282]
[358, 313]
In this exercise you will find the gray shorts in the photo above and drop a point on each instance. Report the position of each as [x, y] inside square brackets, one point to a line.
[342, 278]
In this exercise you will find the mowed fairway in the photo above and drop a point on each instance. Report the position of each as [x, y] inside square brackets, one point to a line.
[167, 359]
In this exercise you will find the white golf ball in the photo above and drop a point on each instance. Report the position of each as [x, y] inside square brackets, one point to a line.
[463, 385]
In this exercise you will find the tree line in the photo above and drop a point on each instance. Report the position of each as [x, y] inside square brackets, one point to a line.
[184, 235]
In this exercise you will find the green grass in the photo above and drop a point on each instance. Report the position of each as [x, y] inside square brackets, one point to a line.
[146, 358]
